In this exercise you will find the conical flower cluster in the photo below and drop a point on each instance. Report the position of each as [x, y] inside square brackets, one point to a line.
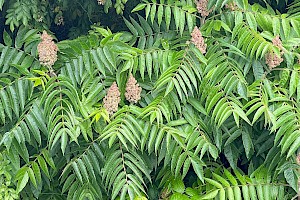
[112, 99]
[277, 42]
[101, 2]
[47, 50]
[133, 90]
[202, 7]
[273, 60]
[198, 40]
[231, 6]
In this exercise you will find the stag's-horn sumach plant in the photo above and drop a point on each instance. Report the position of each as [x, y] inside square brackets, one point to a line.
[172, 100]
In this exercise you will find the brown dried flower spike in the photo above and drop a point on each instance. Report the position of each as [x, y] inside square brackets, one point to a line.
[198, 40]
[47, 50]
[112, 99]
[133, 90]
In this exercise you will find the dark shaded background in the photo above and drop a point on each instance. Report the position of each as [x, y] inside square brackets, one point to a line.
[74, 28]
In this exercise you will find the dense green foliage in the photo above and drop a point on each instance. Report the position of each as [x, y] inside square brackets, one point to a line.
[214, 124]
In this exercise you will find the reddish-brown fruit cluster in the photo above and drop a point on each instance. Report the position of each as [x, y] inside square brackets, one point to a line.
[47, 50]
[198, 40]
[133, 90]
[112, 99]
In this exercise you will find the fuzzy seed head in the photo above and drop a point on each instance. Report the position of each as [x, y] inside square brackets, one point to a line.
[273, 60]
[133, 90]
[112, 99]
[47, 50]
[202, 7]
[198, 40]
